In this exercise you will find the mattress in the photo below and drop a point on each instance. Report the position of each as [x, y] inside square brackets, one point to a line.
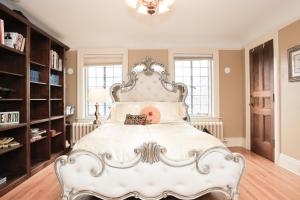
[120, 140]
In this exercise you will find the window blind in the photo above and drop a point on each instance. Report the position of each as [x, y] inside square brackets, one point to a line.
[102, 59]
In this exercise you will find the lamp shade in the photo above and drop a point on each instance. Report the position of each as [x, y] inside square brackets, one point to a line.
[98, 95]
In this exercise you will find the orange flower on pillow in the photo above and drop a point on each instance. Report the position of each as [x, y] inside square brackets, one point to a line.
[153, 114]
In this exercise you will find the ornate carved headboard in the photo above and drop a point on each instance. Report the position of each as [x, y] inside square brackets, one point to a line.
[148, 81]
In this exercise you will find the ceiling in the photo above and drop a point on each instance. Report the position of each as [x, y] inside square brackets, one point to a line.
[191, 23]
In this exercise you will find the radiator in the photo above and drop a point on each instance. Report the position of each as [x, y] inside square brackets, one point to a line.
[214, 127]
[80, 129]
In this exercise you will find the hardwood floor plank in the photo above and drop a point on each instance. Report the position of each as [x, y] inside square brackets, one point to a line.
[262, 180]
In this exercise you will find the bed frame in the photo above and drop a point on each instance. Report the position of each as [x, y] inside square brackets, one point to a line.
[150, 175]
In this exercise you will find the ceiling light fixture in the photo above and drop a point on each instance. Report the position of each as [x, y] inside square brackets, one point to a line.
[150, 7]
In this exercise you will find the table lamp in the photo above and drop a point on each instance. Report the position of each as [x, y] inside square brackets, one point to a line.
[98, 95]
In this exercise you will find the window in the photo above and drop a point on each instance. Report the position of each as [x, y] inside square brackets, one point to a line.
[103, 76]
[197, 75]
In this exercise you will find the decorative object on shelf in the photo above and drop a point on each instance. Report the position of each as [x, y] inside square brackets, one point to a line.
[150, 7]
[14, 40]
[55, 61]
[37, 134]
[9, 117]
[8, 142]
[54, 79]
[52, 132]
[294, 64]
[34, 75]
[1, 31]
[98, 95]
[5, 92]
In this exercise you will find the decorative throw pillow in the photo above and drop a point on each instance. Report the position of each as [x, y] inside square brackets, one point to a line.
[152, 113]
[135, 119]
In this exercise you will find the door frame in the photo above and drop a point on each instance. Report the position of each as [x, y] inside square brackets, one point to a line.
[272, 36]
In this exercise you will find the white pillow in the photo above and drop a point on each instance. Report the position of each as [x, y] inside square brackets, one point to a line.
[169, 111]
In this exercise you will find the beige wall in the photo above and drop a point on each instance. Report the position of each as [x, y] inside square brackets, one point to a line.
[137, 55]
[231, 86]
[290, 94]
[71, 80]
[232, 92]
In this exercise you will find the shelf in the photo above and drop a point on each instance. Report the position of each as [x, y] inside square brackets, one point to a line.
[12, 181]
[38, 165]
[57, 133]
[9, 49]
[38, 99]
[4, 99]
[11, 74]
[53, 85]
[38, 83]
[39, 121]
[55, 70]
[57, 117]
[6, 150]
[43, 137]
[56, 99]
[37, 64]
[11, 126]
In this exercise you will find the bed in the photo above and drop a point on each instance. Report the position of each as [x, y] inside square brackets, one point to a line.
[171, 158]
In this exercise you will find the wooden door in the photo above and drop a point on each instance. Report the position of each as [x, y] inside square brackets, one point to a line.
[262, 100]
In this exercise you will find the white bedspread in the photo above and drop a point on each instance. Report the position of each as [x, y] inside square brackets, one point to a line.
[120, 140]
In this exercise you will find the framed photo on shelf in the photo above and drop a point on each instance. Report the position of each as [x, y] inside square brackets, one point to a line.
[9, 118]
[294, 64]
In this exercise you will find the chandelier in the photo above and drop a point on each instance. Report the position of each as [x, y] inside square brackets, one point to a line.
[150, 7]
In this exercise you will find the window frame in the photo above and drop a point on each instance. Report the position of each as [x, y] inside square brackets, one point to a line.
[104, 66]
[201, 53]
[81, 76]
[192, 86]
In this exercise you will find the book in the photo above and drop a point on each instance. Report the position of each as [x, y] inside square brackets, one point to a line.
[1, 31]
[23, 44]
[18, 42]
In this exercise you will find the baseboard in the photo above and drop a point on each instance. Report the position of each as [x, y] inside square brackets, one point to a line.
[289, 163]
[235, 142]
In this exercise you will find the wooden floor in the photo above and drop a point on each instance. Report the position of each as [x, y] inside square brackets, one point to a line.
[262, 180]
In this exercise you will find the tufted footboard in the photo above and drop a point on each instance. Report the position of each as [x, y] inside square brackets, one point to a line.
[150, 175]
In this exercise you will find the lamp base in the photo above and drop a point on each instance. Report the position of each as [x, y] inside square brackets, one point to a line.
[96, 121]
[97, 115]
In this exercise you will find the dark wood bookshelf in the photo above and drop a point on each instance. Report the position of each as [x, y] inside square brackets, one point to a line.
[38, 99]
[56, 70]
[40, 139]
[11, 126]
[6, 73]
[4, 48]
[39, 121]
[38, 83]
[4, 99]
[40, 104]
[37, 64]
[56, 99]
[57, 117]
[58, 133]
[6, 150]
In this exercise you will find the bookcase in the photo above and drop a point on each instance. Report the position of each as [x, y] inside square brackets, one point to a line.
[40, 102]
